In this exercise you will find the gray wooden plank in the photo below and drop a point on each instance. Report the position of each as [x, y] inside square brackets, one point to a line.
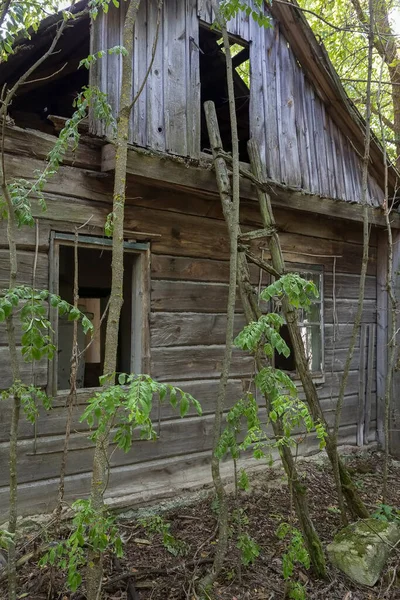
[347, 286]
[370, 380]
[286, 98]
[175, 99]
[271, 101]
[381, 333]
[362, 385]
[155, 84]
[258, 57]
[197, 362]
[193, 80]
[190, 329]
[142, 38]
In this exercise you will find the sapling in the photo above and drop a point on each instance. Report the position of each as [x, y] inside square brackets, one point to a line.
[285, 411]
[123, 412]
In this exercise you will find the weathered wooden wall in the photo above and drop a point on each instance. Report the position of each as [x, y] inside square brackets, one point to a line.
[299, 141]
[189, 273]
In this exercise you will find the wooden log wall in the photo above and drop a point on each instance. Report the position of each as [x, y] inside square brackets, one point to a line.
[189, 278]
[299, 141]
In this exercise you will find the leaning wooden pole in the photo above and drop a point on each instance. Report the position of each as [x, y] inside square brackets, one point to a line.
[352, 496]
[252, 313]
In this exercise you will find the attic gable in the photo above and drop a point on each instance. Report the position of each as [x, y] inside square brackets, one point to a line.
[309, 135]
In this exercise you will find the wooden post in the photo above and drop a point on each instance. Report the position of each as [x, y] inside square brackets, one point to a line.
[394, 424]
[381, 333]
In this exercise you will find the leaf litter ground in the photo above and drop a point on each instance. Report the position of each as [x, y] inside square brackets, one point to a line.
[158, 575]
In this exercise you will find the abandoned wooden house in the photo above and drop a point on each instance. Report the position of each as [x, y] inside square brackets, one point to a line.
[290, 101]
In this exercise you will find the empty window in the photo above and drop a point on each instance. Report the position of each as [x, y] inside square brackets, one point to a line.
[94, 281]
[214, 87]
[311, 328]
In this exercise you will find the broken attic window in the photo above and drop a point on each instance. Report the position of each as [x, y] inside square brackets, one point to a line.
[214, 87]
[241, 62]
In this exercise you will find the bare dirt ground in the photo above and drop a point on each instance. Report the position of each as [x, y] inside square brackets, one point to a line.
[158, 575]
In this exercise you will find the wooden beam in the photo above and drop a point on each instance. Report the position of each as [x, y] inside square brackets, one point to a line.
[381, 333]
[395, 408]
[198, 177]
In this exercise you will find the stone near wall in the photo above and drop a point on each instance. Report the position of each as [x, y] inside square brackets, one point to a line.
[362, 549]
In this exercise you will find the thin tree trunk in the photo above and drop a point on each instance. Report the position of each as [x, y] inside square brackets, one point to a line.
[353, 499]
[393, 304]
[252, 313]
[364, 264]
[230, 206]
[100, 460]
[15, 371]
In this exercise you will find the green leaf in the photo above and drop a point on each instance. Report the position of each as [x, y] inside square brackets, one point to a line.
[184, 405]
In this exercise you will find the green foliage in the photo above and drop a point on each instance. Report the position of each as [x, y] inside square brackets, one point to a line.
[347, 48]
[6, 538]
[230, 8]
[157, 525]
[249, 549]
[29, 396]
[101, 5]
[132, 401]
[23, 18]
[243, 481]
[266, 329]
[92, 58]
[296, 552]
[387, 513]
[31, 305]
[22, 191]
[296, 591]
[90, 529]
[299, 292]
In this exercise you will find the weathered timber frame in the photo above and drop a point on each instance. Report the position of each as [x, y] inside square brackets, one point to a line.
[140, 345]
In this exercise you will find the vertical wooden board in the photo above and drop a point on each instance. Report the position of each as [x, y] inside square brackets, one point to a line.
[337, 160]
[370, 382]
[357, 176]
[271, 87]
[319, 137]
[381, 332]
[394, 440]
[309, 101]
[258, 122]
[155, 83]
[175, 100]
[193, 80]
[361, 387]
[290, 164]
[204, 10]
[112, 37]
[329, 154]
[302, 127]
[348, 169]
[98, 70]
[142, 37]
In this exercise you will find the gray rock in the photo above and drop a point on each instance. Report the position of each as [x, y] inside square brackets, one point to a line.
[362, 549]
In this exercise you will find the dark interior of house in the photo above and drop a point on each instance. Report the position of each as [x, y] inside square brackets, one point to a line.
[94, 266]
[214, 87]
[53, 87]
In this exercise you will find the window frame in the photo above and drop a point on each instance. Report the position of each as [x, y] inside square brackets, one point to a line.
[141, 284]
[304, 270]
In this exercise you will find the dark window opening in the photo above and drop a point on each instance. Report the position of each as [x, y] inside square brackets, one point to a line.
[94, 266]
[214, 87]
[52, 88]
